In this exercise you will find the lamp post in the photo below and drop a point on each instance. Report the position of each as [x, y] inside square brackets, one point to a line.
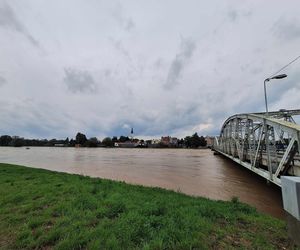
[265, 90]
[265, 124]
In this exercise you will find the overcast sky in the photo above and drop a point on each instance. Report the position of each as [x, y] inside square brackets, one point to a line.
[161, 67]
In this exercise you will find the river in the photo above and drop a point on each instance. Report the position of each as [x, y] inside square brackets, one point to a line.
[194, 172]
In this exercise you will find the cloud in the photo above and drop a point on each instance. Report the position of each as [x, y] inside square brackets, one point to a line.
[125, 22]
[118, 45]
[125, 126]
[284, 91]
[128, 24]
[31, 119]
[2, 80]
[9, 20]
[287, 29]
[79, 81]
[234, 14]
[158, 63]
[178, 64]
[202, 127]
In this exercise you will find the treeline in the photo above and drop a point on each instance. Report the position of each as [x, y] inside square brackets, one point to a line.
[81, 140]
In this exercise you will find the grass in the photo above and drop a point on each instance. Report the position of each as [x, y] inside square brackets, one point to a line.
[40, 209]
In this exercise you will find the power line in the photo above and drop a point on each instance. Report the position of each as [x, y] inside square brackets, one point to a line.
[285, 66]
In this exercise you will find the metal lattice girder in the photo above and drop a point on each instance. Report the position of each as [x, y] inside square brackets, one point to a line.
[267, 144]
[284, 158]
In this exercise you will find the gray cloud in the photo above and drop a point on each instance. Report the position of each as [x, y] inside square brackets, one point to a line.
[38, 119]
[158, 64]
[9, 20]
[287, 29]
[118, 45]
[2, 80]
[124, 21]
[79, 81]
[277, 90]
[234, 14]
[186, 51]
[128, 24]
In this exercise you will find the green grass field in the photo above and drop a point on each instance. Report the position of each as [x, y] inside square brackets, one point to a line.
[40, 209]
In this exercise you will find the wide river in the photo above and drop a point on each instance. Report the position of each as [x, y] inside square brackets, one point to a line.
[194, 172]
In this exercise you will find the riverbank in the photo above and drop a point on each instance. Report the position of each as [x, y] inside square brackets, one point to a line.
[44, 209]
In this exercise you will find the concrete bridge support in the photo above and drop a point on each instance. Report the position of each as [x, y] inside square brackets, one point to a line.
[290, 187]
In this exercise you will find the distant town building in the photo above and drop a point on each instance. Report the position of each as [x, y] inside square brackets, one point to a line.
[209, 140]
[165, 140]
[169, 141]
[155, 141]
[174, 141]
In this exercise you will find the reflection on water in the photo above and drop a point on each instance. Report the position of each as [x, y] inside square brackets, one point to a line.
[195, 172]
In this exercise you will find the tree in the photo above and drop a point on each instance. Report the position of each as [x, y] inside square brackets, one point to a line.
[92, 142]
[17, 142]
[202, 141]
[124, 138]
[5, 140]
[195, 141]
[72, 142]
[187, 141]
[107, 142]
[180, 143]
[52, 142]
[81, 139]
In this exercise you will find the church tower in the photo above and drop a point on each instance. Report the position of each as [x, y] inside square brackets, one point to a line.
[131, 134]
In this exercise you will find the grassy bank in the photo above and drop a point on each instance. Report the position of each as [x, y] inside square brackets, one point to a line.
[43, 209]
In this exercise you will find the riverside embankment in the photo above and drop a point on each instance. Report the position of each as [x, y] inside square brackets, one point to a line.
[40, 209]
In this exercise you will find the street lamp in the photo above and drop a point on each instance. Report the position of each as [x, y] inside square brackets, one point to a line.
[265, 124]
[267, 80]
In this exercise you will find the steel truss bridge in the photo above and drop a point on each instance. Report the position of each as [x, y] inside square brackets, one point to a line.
[265, 143]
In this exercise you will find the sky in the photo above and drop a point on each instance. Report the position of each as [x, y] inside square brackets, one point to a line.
[162, 67]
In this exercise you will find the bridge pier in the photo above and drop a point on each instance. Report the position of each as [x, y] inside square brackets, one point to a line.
[290, 187]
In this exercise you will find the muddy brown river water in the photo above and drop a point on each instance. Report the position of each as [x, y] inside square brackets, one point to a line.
[194, 172]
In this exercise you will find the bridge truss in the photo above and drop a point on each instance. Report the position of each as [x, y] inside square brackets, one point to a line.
[267, 144]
